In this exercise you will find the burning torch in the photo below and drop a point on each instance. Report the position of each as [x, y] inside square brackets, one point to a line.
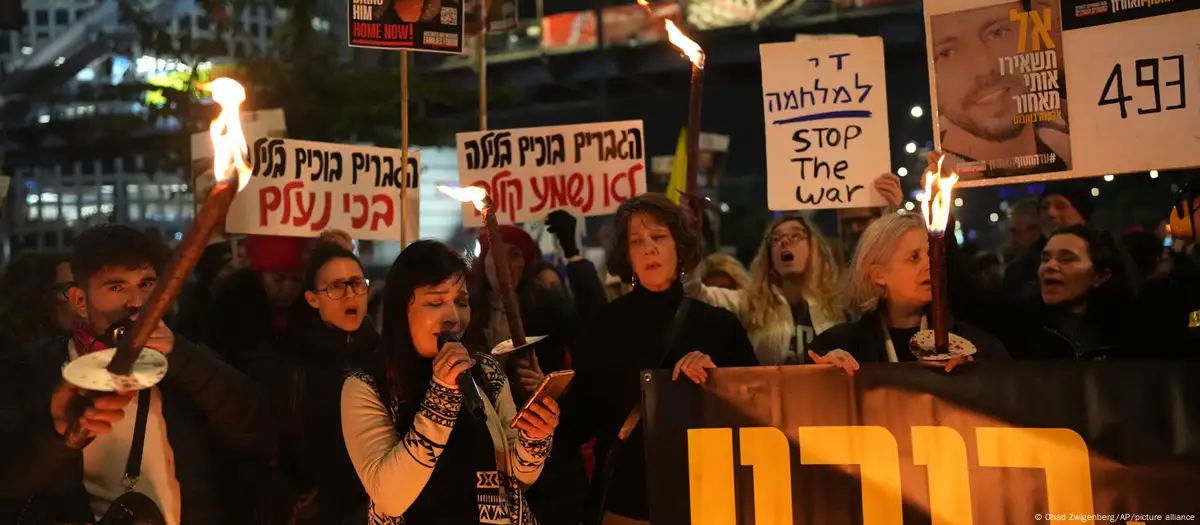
[696, 55]
[499, 259]
[938, 344]
[127, 367]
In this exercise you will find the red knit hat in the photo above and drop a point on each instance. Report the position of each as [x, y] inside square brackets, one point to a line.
[275, 254]
[513, 236]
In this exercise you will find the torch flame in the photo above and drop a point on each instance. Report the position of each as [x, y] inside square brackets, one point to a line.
[229, 143]
[685, 44]
[680, 40]
[472, 194]
[936, 207]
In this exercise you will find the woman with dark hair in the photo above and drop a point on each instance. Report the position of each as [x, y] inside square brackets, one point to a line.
[33, 300]
[320, 344]
[652, 248]
[422, 458]
[1086, 287]
[1080, 311]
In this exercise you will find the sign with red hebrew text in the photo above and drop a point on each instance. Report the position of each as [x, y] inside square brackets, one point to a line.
[588, 169]
[300, 189]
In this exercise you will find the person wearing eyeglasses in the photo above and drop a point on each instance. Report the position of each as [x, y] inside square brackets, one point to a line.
[34, 305]
[792, 293]
[320, 342]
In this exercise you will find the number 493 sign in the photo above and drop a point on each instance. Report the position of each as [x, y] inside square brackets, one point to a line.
[1134, 96]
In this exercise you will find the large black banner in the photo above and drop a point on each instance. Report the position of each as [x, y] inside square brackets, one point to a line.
[1005, 443]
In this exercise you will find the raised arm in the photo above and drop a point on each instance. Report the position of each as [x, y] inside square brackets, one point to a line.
[236, 406]
[393, 468]
[719, 297]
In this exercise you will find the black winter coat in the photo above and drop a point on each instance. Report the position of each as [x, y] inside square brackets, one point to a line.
[865, 340]
[207, 405]
[625, 338]
[312, 451]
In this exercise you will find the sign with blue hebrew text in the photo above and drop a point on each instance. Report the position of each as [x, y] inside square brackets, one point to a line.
[825, 104]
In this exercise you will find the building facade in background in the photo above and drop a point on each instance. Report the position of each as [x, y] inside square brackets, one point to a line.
[69, 79]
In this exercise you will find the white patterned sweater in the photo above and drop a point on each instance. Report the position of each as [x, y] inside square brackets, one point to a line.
[394, 469]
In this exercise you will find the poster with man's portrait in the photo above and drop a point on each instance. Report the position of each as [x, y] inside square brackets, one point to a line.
[998, 86]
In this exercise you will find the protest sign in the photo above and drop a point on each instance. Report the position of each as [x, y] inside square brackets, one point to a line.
[413, 25]
[588, 169]
[996, 76]
[255, 125]
[300, 189]
[825, 104]
[1132, 67]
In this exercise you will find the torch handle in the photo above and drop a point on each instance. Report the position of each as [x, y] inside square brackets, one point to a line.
[508, 294]
[695, 103]
[159, 303]
[76, 436]
[937, 281]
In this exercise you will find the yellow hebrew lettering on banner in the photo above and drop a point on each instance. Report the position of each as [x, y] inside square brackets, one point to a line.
[944, 452]
[1061, 452]
[767, 450]
[875, 451]
[710, 476]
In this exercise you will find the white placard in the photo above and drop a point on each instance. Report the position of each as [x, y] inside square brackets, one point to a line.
[1135, 92]
[825, 103]
[301, 188]
[589, 169]
[255, 125]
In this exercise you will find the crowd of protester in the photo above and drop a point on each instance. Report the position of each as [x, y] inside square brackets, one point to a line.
[295, 395]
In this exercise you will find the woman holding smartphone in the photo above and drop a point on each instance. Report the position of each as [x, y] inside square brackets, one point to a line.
[652, 247]
[422, 458]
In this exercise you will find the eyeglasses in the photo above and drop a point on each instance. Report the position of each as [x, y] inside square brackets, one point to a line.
[338, 289]
[793, 238]
[62, 291]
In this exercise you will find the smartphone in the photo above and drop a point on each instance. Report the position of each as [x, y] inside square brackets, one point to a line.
[552, 386]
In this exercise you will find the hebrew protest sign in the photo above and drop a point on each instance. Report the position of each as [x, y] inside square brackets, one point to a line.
[300, 189]
[588, 169]
[825, 104]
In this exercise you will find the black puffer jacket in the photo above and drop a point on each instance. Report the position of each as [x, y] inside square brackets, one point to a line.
[311, 448]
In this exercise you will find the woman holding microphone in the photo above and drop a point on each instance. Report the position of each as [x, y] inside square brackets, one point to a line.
[421, 456]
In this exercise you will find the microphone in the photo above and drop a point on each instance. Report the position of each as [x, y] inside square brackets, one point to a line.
[471, 398]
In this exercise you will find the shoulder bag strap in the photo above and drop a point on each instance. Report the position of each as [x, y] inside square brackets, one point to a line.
[635, 415]
[133, 467]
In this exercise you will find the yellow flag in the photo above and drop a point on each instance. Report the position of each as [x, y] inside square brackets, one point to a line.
[678, 182]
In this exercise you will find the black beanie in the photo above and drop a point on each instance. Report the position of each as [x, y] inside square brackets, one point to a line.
[1079, 199]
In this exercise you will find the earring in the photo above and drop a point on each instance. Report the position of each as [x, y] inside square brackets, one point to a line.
[634, 280]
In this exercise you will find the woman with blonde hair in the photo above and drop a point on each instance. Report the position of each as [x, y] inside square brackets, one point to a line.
[721, 270]
[790, 296]
[888, 290]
